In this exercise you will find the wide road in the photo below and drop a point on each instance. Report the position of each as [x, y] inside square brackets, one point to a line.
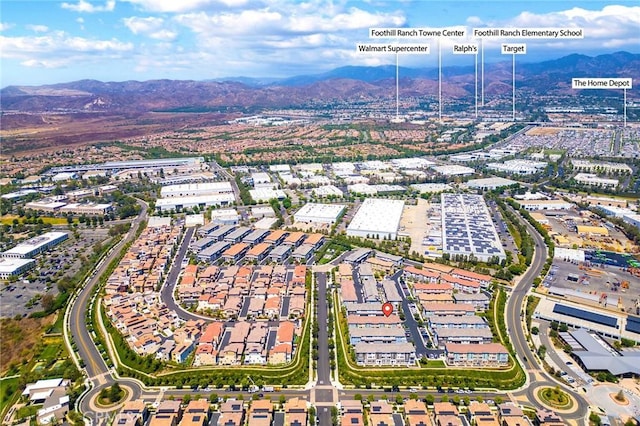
[324, 390]
[324, 369]
[514, 315]
[97, 371]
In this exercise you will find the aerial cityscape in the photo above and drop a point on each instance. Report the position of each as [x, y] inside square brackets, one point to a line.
[279, 212]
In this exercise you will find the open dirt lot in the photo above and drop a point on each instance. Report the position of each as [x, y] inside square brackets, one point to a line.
[415, 223]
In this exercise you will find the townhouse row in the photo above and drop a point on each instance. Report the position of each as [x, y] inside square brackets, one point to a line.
[416, 413]
[144, 266]
[256, 343]
[233, 243]
[258, 292]
[150, 328]
[199, 413]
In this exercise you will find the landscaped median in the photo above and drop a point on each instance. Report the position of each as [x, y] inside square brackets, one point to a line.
[366, 377]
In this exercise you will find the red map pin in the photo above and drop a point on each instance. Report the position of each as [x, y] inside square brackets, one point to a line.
[387, 309]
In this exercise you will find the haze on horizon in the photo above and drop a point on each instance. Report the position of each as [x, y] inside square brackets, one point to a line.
[109, 40]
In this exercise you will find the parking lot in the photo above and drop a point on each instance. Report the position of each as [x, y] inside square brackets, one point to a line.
[58, 265]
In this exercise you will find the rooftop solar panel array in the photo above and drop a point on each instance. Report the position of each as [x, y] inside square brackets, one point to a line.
[467, 227]
[585, 315]
[633, 324]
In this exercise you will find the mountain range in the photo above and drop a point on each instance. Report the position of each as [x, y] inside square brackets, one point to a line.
[349, 83]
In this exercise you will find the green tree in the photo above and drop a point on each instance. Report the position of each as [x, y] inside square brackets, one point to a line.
[115, 392]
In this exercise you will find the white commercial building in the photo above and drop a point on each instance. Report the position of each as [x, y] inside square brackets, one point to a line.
[176, 203]
[46, 205]
[280, 168]
[261, 195]
[430, 187]
[533, 205]
[327, 191]
[490, 183]
[311, 167]
[627, 215]
[262, 211]
[319, 213]
[13, 267]
[520, 167]
[454, 170]
[196, 189]
[18, 194]
[594, 180]
[36, 245]
[262, 180]
[61, 177]
[87, 208]
[225, 216]
[377, 218]
[362, 188]
[597, 166]
[412, 163]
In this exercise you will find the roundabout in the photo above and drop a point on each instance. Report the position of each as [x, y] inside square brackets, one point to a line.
[97, 399]
[555, 399]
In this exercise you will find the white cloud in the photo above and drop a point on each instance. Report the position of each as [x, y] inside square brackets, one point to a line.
[151, 26]
[179, 6]
[83, 6]
[613, 26]
[59, 48]
[301, 20]
[4, 26]
[37, 28]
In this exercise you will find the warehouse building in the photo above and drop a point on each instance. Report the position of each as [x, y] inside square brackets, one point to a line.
[262, 180]
[454, 170]
[377, 218]
[593, 180]
[490, 183]
[175, 203]
[36, 245]
[261, 195]
[196, 189]
[262, 211]
[467, 228]
[534, 205]
[319, 213]
[520, 167]
[327, 191]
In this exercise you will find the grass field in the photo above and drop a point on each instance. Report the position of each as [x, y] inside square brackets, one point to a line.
[8, 219]
[52, 349]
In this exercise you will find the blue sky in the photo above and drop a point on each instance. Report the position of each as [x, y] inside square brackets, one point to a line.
[49, 41]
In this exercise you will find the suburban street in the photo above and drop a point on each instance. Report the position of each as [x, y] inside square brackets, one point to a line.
[537, 377]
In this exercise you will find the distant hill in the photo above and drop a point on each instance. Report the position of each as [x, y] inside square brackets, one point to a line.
[341, 84]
